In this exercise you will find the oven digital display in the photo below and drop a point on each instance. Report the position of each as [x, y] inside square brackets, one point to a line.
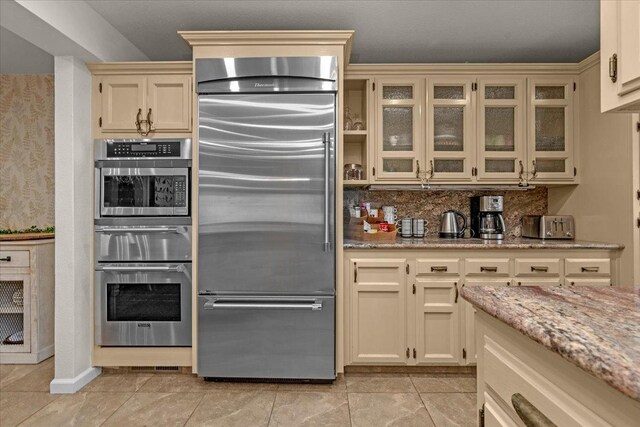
[146, 147]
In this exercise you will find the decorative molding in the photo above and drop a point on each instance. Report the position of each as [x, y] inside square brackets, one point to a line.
[143, 67]
[588, 62]
[71, 385]
[253, 38]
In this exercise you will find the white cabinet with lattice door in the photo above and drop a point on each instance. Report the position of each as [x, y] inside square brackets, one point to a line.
[26, 301]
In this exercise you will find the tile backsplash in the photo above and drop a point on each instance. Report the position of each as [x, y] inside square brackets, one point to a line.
[431, 203]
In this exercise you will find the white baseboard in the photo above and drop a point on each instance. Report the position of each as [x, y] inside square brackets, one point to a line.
[68, 386]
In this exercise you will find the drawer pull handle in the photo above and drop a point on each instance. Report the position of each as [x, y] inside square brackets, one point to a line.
[7, 259]
[456, 285]
[529, 414]
[539, 269]
[488, 269]
[439, 268]
[590, 269]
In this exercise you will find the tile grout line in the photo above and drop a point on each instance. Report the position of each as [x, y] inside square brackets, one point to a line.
[426, 409]
[349, 409]
[40, 409]
[118, 408]
[273, 404]
[195, 408]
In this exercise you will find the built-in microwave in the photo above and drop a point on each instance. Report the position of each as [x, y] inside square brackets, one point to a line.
[143, 177]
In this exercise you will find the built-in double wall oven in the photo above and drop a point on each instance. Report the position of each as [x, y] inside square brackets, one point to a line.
[143, 242]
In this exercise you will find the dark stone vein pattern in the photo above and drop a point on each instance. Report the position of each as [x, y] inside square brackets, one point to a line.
[512, 243]
[597, 329]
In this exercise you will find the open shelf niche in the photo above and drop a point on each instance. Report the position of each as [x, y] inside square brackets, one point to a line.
[356, 141]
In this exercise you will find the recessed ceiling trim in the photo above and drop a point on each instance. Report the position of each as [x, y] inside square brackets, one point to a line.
[155, 67]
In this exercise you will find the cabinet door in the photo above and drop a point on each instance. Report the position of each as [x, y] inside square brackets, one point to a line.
[469, 314]
[501, 116]
[378, 310]
[437, 321]
[122, 98]
[170, 102]
[15, 312]
[550, 142]
[450, 135]
[399, 128]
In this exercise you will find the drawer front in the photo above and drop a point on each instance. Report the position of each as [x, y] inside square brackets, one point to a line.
[494, 415]
[587, 267]
[507, 375]
[14, 259]
[584, 281]
[487, 266]
[437, 266]
[534, 281]
[537, 267]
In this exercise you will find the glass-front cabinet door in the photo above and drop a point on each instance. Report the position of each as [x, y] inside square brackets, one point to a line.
[550, 142]
[399, 104]
[501, 115]
[449, 129]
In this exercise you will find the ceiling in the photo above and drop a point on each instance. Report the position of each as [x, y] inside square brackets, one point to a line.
[18, 56]
[389, 31]
[385, 31]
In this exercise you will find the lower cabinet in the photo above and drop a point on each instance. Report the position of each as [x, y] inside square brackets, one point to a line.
[404, 307]
[378, 311]
[437, 314]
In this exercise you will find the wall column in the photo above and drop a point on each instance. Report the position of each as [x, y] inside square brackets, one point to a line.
[74, 225]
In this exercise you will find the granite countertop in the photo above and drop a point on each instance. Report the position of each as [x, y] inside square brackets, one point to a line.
[509, 243]
[595, 328]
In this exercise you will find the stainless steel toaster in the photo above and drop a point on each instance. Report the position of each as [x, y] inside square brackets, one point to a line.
[548, 227]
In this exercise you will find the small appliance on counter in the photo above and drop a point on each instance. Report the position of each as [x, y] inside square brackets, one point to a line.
[548, 227]
[450, 227]
[486, 217]
[353, 171]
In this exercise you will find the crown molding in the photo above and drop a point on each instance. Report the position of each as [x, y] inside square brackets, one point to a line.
[142, 67]
[590, 61]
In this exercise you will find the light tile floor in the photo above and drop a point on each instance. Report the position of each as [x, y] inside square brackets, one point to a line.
[176, 400]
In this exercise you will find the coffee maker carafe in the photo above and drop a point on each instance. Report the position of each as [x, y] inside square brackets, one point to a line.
[486, 217]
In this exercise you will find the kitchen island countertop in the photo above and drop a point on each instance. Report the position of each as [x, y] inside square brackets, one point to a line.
[595, 328]
[510, 243]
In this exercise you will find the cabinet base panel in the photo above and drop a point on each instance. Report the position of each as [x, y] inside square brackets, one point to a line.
[353, 369]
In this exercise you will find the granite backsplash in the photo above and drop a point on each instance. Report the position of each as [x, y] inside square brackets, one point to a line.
[430, 204]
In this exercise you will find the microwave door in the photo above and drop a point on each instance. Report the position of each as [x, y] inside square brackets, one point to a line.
[144, 191]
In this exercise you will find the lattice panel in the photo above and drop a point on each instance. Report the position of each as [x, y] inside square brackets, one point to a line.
[11, 312]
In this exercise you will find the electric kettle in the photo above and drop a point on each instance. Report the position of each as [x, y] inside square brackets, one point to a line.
[450, 227]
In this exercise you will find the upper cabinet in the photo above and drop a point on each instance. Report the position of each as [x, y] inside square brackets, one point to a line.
[501, 133]
[450, 135]
[142, 99]
[620, 55]
[550, 148]
[456, 129]
[399, 116]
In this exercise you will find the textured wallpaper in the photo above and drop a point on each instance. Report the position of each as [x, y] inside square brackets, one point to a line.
[429, 205]
[26, 150]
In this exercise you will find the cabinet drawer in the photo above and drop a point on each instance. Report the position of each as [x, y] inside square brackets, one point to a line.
[587, 281]
[437, 266]
[587, 267]
[507, 375]
[494, 415]
[537, 267]
[14, 259]
[487, 266]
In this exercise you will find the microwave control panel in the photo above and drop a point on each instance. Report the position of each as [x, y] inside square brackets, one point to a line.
[143, 149]
[180, 191]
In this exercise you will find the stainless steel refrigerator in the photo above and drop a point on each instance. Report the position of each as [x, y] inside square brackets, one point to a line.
[266, 214]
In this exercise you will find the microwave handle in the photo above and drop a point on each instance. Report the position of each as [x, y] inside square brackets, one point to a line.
[177, 268]
[137, 229]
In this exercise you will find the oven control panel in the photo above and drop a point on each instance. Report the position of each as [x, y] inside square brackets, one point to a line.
[143, 149]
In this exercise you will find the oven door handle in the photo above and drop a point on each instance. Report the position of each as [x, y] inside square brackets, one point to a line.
[216, 304]
[139, 229]
[129, 268]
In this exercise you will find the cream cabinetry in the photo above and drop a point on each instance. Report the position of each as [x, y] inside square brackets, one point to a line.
[550, 140]
[469, 128]
[620, 55]
[399, 134]
[26, 301]
[403, 306]
[378, 310]
[514, 371]
[133, 98]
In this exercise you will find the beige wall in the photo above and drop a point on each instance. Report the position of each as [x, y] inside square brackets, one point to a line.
[603, 202]
[26, 150]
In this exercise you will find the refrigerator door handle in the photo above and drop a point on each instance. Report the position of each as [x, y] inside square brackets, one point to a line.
[216, 304]
[326, 140]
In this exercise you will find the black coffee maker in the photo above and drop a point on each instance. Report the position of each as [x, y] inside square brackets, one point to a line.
[486, 217]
